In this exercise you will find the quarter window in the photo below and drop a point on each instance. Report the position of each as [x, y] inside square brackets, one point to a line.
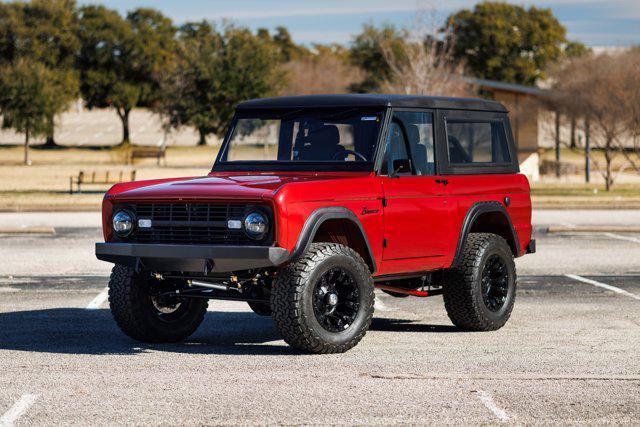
[477, 142]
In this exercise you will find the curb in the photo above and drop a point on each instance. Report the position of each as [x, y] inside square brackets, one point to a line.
[594, 229]
[28, 230]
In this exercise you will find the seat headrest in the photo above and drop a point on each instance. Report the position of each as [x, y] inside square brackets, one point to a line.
[325, 135]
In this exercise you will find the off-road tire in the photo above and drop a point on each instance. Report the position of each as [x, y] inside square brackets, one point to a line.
[291, 299]
[462, 285]
[134, 312]
[260, 308]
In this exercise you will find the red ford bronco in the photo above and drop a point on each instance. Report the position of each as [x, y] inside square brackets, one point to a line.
[312, 203]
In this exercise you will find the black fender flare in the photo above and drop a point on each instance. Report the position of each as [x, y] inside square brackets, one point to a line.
[316, 219]
[473, 214]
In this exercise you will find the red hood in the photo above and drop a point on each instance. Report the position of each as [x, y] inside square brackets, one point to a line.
[222, 185]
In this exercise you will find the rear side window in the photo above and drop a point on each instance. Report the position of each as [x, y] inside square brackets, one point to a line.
[477, 143]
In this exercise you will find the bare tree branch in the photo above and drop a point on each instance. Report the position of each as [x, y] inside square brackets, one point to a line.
[425, 64]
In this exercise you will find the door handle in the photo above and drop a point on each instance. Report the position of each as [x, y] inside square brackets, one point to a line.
[442, 181]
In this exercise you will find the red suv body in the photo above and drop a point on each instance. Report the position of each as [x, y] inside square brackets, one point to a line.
[402, 182]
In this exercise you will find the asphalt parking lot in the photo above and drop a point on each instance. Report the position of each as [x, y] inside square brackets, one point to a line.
[569, 353]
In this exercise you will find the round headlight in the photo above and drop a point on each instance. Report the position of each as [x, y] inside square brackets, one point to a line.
[256, 225]
[123, 223]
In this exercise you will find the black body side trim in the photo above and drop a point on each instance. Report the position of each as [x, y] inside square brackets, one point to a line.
[316, 219]
[472, 215]
[191, 258]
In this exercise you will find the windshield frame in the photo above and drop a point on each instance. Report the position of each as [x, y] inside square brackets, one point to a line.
[298, 165]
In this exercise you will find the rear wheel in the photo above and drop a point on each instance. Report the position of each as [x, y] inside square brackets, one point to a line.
[323, 303]
[480, 292]
[144, 314]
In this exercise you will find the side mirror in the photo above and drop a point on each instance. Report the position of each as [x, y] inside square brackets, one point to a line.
[401, 166]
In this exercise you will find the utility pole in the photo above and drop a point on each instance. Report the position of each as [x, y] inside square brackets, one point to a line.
[587, 151]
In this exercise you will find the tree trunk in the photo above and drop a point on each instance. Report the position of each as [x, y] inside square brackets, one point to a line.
[608, 181]
[573, 133]
[124, 116]
[587, 151]
[50, 141]
[557, 144]
[203, 137]
[27, 161]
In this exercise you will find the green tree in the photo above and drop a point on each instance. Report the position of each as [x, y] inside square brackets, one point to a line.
[120, 59]
[31, 93]
[366, 53]
[42, 31]
[287, 49]
[505, 42]
[575, 50]
[211, 73]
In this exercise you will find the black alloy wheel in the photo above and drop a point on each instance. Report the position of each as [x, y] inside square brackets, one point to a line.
[168, 309]
[495, 283]
[336, 300]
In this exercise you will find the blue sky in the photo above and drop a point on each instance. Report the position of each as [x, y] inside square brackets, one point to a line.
[595, 23]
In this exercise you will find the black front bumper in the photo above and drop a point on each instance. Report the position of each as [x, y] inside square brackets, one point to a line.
[191, 258]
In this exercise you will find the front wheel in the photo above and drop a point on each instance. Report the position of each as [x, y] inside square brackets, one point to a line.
[144, 314]
[480, 292]
[323, 302]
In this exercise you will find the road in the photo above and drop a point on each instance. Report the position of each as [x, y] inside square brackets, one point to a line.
[569, 353]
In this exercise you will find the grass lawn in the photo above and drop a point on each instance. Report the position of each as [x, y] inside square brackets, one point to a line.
[45, 184]
[592, 196]
[585, 190]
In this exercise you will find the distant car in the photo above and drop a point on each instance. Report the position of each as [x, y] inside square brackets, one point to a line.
[314, 201]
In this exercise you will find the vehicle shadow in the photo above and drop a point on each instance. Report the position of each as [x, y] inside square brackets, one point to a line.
[404, 325]
[80, 331]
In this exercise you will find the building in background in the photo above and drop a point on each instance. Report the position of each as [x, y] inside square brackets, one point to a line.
[523, 103]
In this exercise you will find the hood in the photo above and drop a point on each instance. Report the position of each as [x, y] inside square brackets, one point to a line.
[222, 185]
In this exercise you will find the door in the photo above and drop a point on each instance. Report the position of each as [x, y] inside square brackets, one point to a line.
[417, 214]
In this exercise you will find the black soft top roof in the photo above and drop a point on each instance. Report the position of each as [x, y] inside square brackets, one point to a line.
[372, 100]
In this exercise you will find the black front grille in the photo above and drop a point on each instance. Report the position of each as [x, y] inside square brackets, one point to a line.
[191, 223]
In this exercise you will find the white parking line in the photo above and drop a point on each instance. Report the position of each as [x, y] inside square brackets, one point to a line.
[620, 237]
[602, 285]
[487, 400]
[98, 300]
[17, 410]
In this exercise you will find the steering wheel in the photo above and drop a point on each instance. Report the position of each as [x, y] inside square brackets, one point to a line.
[355, 153]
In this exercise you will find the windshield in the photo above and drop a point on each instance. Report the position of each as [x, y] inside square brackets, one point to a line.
[304, 136]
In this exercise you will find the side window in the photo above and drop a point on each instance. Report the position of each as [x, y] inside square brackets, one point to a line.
[395, 148]
[477, 142]
[418, 128]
